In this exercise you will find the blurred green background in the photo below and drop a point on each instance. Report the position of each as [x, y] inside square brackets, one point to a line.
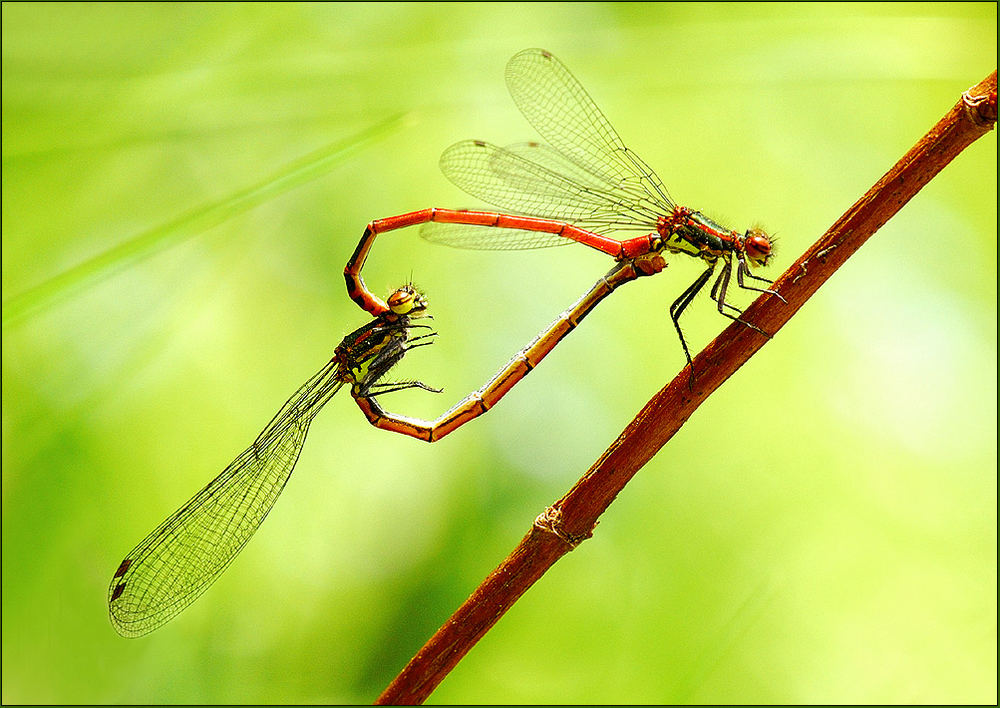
[822, 530]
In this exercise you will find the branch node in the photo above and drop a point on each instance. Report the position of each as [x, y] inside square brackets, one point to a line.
[551, 521]
[981, 110]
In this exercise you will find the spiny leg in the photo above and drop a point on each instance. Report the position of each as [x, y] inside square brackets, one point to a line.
[375, 388]
[722, 283]
[418, 341]
[681, 303]
[719, 295]
[388, 356]
[743, 270]
[380, 389]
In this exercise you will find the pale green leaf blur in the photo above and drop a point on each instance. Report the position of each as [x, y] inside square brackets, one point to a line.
[182, 186]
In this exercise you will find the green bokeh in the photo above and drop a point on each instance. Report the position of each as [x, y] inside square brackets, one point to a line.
[822, 530]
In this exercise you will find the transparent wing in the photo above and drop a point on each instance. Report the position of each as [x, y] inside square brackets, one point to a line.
[551, 159]
[488, 238]
[184, 555]
[565, 115]
[510, 180]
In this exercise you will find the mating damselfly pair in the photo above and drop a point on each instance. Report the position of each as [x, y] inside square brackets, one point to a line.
[583, 185]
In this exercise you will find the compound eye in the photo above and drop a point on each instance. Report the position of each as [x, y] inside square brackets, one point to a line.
[405, 300]
[757, 245]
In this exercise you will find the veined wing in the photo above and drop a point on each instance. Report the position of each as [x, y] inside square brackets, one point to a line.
[551, 159]
[185, 554]
[488, 238]
[508, 179]
[565, 115]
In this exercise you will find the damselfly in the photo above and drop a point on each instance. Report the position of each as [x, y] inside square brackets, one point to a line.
[583, 186]
[186, 553]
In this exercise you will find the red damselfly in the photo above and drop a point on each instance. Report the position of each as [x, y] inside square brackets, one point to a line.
[178, 561]
[583, 186]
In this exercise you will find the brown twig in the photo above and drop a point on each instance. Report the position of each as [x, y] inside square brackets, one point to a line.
[572, 519]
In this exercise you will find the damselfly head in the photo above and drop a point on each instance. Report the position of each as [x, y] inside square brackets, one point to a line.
[406, 300]
[758, 246]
